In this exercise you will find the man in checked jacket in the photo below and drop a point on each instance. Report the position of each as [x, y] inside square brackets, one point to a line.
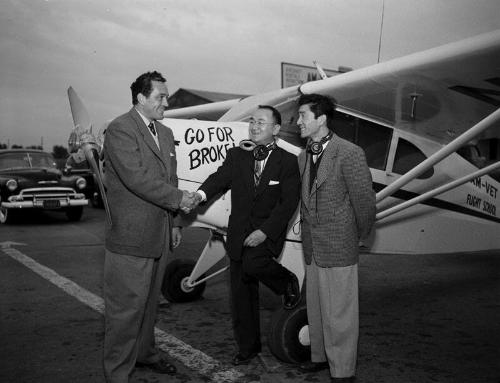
[337, 209]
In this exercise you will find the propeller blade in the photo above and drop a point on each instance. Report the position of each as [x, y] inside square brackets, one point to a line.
[81, 117]
[92, 156]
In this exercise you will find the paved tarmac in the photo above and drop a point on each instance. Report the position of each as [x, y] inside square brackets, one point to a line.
[422, 318]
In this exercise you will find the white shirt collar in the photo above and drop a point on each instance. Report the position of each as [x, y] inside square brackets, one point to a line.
[147, 122]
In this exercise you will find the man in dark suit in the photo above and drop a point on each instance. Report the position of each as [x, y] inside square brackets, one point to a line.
[142, 192]
[264, 183]
[337, 209]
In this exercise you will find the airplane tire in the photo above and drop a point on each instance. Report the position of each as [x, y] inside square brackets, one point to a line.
[283, 338]
[174, 289]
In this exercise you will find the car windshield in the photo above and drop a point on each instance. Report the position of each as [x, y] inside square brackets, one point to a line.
[26, 160]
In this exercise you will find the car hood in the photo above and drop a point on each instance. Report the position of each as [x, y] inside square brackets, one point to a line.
[33, 176]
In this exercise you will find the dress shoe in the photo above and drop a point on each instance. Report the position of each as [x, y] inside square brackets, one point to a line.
[243, 359]
[313, 366]
[291, 298]
[162, 366]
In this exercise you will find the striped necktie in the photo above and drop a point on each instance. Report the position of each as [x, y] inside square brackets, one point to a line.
[257, 172]
[151, 127]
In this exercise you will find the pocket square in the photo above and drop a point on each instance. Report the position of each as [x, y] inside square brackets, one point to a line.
[271, 183]
[172, 155]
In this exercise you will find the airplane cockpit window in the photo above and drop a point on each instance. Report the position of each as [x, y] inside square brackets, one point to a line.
[375, 139]
[482, 153]
[407, 157]
[472, 154]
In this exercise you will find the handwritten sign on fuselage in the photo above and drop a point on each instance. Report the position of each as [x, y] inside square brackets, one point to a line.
[201, 146]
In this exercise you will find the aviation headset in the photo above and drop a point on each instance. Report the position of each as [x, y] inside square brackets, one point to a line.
[316, 147]
[260, 152]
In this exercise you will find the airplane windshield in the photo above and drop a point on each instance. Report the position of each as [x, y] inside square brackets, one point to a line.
[407, 157]
[482, 153]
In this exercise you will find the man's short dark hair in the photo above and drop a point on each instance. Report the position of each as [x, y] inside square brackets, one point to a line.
[320, 105]
[143, 84]
[274, 111]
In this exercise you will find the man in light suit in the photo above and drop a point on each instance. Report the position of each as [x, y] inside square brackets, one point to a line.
[264, 183]
[142, 192]
[337, 209]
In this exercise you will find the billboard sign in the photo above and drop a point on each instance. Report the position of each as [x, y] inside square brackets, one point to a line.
[294, 74]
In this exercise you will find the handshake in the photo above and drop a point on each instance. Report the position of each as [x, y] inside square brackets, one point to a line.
[189, 201]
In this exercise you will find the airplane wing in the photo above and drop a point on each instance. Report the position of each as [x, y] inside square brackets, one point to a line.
[438, 93]
[210, 112]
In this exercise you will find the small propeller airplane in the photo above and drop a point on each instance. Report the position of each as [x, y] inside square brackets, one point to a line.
[411, 115]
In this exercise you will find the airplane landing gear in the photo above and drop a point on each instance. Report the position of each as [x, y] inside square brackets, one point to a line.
[288, 337]
[175, 283]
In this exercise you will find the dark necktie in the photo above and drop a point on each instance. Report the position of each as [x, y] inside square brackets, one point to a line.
[151, 127]
[257, 172]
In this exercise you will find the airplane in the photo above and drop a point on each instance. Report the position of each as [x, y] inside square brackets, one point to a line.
[413, 116]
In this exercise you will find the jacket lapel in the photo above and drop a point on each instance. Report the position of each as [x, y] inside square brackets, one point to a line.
[326, 163]
[274, 161]
[247, 165]
[164, 146]
[148, 139]
[305, 176]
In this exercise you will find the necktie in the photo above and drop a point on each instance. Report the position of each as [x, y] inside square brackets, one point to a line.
[151, 127]
[257, 172]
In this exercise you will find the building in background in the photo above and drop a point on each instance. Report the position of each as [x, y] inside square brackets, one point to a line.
[295, 74]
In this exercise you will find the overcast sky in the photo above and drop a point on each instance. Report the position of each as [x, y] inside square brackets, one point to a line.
[99, 47]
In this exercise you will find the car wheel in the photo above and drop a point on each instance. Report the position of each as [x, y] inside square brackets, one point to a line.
[174, 287]
[6, 216]
[288, 337]
[96, 200]
[74, 213]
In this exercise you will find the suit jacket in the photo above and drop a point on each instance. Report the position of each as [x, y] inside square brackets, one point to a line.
[340, 208]
[268, 207]
[141, 183]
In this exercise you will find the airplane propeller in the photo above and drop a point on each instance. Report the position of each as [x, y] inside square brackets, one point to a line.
[82, 138]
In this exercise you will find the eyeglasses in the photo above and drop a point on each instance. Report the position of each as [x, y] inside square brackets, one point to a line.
[259, 123]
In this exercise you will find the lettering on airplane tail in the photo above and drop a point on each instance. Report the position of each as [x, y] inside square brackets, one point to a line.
[218, 140]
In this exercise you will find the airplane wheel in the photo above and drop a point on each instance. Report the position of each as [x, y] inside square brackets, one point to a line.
[288, 337]
[74, 213]
[174, 286]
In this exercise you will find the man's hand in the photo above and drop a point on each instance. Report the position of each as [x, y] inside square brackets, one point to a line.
[198, 198]
[255, 238]
[176, 236]
[188, 201]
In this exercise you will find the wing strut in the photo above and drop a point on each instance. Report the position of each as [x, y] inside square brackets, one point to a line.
[439, 155]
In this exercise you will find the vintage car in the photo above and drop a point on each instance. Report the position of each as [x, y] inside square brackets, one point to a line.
[91, 191]
[29, 179]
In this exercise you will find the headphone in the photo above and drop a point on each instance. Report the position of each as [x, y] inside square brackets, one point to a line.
[316, 147]
[260, 152]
